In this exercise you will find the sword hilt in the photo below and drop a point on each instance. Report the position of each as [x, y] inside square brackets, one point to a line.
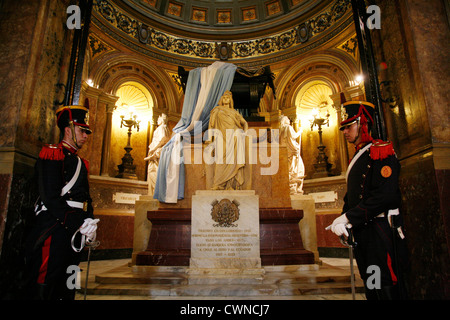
[348, 241]
[92, 244]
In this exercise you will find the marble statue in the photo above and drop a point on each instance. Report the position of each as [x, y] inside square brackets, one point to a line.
[160, 137]
[289, 137]
[229, 145]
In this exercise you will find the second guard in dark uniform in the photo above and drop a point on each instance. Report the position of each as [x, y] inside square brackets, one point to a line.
[371, 212]
[64, 212]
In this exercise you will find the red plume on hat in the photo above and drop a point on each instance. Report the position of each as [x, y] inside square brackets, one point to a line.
[361, 112]
[365, 135]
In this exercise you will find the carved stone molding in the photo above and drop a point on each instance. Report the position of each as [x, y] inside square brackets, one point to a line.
[301, 36]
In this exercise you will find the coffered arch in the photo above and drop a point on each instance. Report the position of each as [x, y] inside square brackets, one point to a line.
[331, 68]
[119, 69]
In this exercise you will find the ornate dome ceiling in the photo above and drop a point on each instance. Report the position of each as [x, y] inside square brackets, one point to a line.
[199, 31]
[230, 19]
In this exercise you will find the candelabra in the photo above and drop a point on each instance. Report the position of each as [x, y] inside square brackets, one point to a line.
[322, 167]
[127, 169]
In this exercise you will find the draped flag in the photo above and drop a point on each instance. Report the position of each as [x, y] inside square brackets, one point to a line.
[205, 86]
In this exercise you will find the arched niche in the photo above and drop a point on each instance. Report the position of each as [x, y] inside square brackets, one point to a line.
[135, 100]
[313, 97]
[115, 70]
[305, 84]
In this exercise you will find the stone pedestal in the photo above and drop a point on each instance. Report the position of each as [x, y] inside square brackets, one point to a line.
[142, 226]
[169, 243]
[281, 242]
[307, 223]
[225, 242]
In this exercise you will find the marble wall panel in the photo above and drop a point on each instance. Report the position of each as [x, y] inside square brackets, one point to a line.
[426, 227]
[115, 229]
[432, 52]
[35, 44]
[17, 215]
[5, 183]
[326, 238]
[413, 45]
[14, 61]
[48, 55]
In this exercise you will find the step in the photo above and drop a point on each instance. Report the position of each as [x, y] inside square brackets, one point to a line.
[220, 290]
[174, 282]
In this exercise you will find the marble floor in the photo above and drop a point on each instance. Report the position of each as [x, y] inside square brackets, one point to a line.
[116, 280]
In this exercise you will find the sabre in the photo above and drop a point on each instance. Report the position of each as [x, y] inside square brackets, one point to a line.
[352, 273]
[91, 246]
[350, 243]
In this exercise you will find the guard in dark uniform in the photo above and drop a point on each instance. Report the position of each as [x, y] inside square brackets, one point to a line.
[371, 212]
[64, 213]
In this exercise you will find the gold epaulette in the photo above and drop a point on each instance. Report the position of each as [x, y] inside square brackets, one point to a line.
[381, 149]
[51, 152]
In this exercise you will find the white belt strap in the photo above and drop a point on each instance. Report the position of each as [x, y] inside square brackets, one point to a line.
[393, 212]
[75, 204]
[72, 181]
[356, 157]
[43, 208]
[67, 187]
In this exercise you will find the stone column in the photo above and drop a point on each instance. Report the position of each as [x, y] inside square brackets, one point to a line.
[343, 151]
[106, 146]
[356, 92]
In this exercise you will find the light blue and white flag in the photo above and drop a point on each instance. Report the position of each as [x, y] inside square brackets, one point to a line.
[204, 88]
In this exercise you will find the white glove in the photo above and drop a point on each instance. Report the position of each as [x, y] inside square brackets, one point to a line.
[89, 228]
[340, 225]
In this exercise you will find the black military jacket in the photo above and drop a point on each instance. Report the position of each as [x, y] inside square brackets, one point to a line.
[55, 168]
[372, 184]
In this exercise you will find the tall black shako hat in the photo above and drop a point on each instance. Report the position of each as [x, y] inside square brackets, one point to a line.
[354, 111]
[74, 115]
[361, 112]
